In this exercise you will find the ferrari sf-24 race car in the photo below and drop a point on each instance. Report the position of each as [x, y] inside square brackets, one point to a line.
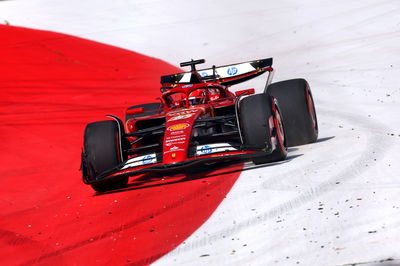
[198, 121]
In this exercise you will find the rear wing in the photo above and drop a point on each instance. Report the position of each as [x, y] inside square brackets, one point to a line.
[225, 75]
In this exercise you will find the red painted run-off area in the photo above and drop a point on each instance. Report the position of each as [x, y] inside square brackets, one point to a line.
[51, 85]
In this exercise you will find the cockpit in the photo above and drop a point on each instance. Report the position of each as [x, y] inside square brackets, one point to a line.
[196, 96]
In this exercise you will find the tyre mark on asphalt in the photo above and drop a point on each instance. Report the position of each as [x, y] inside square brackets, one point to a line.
[377, 143]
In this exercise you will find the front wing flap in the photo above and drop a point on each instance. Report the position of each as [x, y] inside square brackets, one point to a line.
[121, 171]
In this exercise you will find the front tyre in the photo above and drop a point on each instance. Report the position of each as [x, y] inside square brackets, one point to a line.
[262, 127]
[101, 152]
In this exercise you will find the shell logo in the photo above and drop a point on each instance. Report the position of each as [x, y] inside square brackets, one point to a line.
[178, 126]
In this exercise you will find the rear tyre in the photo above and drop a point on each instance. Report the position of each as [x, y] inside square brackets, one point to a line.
[261, 122]
[149, 109]
[297, 106]
[101, 152]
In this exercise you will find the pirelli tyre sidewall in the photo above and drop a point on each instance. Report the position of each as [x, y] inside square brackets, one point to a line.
[256, 112]
[297, 107]
[101, 152]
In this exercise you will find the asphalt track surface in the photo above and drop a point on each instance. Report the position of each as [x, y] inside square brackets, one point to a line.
[51, 85]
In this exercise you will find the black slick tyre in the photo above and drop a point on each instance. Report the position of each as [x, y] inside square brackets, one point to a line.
[297, 106]
[101, 152]
[262, 127]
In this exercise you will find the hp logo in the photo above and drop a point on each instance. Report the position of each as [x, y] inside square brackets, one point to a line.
[147, 159]
[206, 149]
[232, 71]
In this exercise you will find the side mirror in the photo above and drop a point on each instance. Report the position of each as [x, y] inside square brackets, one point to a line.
[134, 111]
[245, 92]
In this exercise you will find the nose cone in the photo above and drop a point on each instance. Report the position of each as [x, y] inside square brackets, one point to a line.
[177, 134]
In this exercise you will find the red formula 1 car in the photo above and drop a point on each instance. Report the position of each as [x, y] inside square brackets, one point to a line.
[198, 120]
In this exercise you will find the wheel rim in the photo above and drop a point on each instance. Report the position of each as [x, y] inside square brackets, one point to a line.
[280, 132]
[311, 110]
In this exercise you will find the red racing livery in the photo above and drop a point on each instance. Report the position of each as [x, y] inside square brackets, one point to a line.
[198, 120]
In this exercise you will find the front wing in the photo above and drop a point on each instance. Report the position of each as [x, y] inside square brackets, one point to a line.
[121, 172]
